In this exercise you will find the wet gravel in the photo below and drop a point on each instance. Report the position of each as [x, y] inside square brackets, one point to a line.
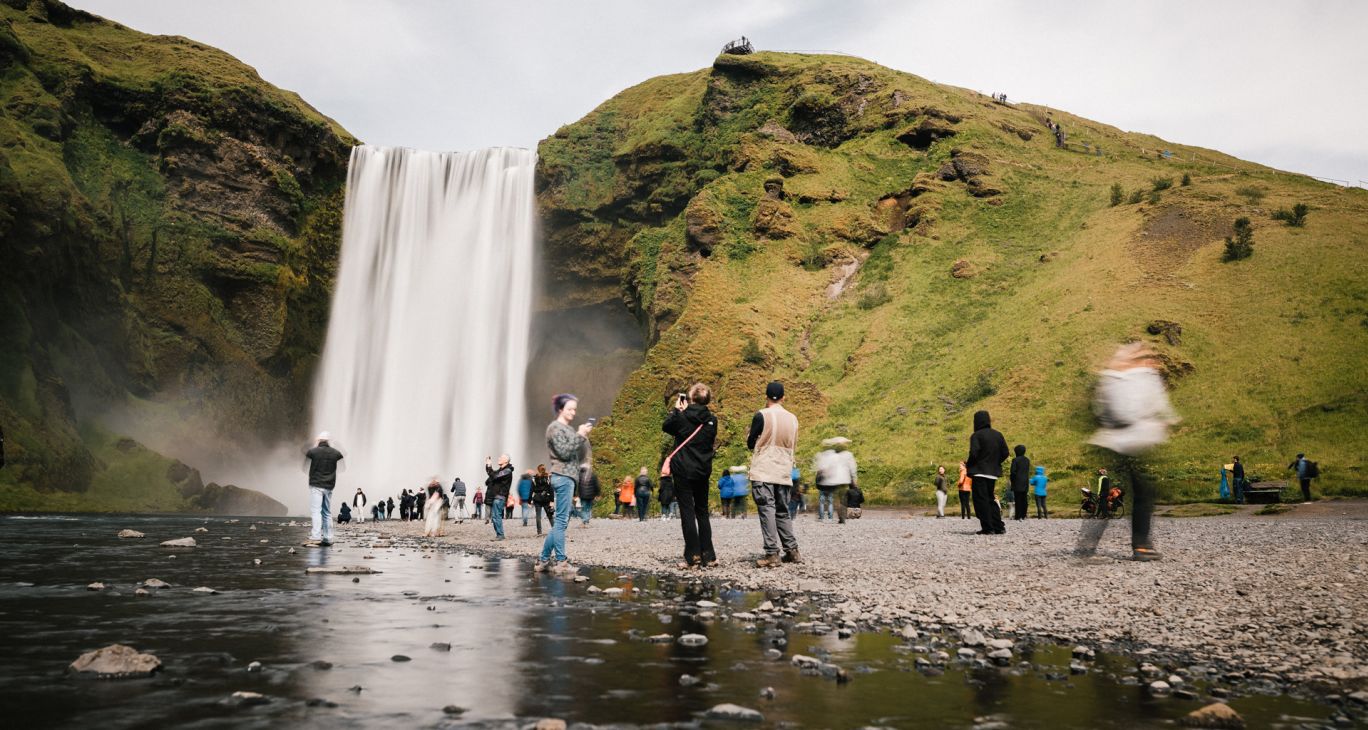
[1280, 600]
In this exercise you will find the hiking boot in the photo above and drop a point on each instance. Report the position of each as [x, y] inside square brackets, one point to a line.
[769, 561]
[792, 556]
[539, 567]
[1145, 555]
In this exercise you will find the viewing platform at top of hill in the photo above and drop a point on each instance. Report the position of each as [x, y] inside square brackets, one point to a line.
[740, 47]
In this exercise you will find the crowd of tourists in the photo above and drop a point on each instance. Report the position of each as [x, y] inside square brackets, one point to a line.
[1133, 416]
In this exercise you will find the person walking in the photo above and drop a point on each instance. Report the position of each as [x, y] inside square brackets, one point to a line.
[498, 480]
[525, 496]
[478, 501]
[667, 499]
[940, 492]
[1134, 416]
[587, 488]
[626, 497]
[323, 462]
[434, 503]
[359, 505]
[741, 488]
[835, 470]
[965, 485]
[1038, 485]
[1019, 477]
[405, 505]
[795, 495]
[1306, 471]
[541, 495]
[1237, 470]
[419, 504]
[772, 439]
[724, 492]
[987, 451]
[643, 494]
[389, 508]
[458, 498]
[568, 447]
[689, 468]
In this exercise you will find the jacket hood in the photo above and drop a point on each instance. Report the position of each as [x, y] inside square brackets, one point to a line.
[1020, 450]
[696, 413]
[982, 420]
[1040, 471]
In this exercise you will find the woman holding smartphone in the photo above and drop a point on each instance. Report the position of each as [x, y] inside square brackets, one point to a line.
[689, 466]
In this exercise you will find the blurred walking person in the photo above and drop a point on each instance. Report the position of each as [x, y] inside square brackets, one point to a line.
[940, 492]
[542, 495]
[458, 498]
[525, 495]
[836, 474]
[588, 491]
[689, 468]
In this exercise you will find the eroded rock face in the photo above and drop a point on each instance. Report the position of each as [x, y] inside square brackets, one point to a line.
[115, 661]
[773, 218]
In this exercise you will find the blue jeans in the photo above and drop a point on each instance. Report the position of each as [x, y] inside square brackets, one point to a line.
[564, 487]
[320, 510]
[826, 504]
[496, 515]
[526, 512]
[586, 510]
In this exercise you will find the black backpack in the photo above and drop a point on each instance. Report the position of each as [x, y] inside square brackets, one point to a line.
[1312, 469]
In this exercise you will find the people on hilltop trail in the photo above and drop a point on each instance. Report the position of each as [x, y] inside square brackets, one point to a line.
[498, 481]
[1306, 471]
[323, 462]
[836, 474]
[772, 439]
[689, 469]
[987, 451]
[525, 495]
[434, 507]
[940, 492]
[458, 498]
[568, 447]
[587, 490]
[1134, 416]
[1019, 477]
[965, 485]
[359, 505]
[642, 492]
[541, 495]
[1038, 486]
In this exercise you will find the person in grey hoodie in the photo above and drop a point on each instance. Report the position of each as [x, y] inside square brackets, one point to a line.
[1020, 477]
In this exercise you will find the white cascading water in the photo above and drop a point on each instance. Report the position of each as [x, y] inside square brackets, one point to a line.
[425, 361]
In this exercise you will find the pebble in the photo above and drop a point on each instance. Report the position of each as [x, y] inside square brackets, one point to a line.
[96, 586]
[735, 713]
[1159, 687]
[440, 646]
[155, 583]
[614, 591]
[182, 542]
[688, 680]
[454, 710]
[142, 592]
[400, 658]
[254, 667]
[693, 640]
[204, 589]
[116, 661]
[126, 534]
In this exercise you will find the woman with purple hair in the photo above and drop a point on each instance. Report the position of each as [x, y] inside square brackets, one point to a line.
[568, 447]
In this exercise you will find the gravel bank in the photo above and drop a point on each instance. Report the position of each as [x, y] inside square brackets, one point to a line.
[1283, 595]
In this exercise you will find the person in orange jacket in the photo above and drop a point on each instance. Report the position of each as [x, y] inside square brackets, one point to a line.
[965, 492]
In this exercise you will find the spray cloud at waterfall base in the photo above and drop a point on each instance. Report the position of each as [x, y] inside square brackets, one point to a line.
[423, 370]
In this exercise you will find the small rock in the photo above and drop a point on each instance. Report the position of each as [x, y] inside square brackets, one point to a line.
[254, 667]
[706, 604]
[204, 589]
[550, 723]
[614, 591]
[1001, 643]
[256, 561]
[693, 640]
[773, 654]
[972, 637]
[291, 551]
[908, 633]
[155, 583]
[767, 693]
[844, 633]
[321, 665]
[201, 529]
[183, 542]
[116, 661]
[688, 680]
[454, 710]
[1001, 657]
[1077, 667]
[765, 606]
[581, 579]
[966, 653]
[250, 698]
[126, 534]
[400, 658]
[440, 646]
[660, 639]
[96, 586]
[805, 662]
[593, 589]
[737, 713]
[142, 592]
[1214, 715]
[1159, 687]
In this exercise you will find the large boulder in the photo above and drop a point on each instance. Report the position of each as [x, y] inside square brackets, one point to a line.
[115, 661]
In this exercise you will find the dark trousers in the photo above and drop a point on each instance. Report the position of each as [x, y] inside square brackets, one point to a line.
[538, 509]
[1020, 511]
[1306, 490]
[1142, 508]
[1041, 512]
[986, 505]
[965, 511]
[692, 496]
[643, 504]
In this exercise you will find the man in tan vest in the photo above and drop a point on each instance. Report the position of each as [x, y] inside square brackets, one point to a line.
[773, 436]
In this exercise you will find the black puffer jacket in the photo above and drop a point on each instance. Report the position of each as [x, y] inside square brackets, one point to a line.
[987, 448]
[694, 461]
[496, 486]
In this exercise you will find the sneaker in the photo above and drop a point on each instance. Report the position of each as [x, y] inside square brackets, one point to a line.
[792, 556]
[1145, 555]
[540, 567]
[769, 561]
[325, 543]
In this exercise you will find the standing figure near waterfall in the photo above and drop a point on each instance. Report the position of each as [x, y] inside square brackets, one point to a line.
[498, 481]
[323, 462]
[567, 446]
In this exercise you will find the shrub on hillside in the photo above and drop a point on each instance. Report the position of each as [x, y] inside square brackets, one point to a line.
[1187, 180]
[1136, 197]
[751, 352]
[1251, 193]
[1116, 194]
[1161, 183]
[1295, 217]
[1154, 197]
[873, 296]
[1241, 245]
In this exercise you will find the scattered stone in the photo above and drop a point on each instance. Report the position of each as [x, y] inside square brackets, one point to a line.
[440, 646]
[593, 589]
[688, 680]
[706, 604]
[693, 640]
[767, 693]
[908, 632]
[182, 542]
[1159, 687]
[116, 661]
[1214, 715]
[256, 561]
[550, 723]
[1001, 643]
[155, 583]
[204, 589]
[454, 710]
[1083, 652]
[201, 529]
[844, 633]
[126, 534]
[340, 570]
[291, 551]
[321, 665]
[966, 653]
[805, 662]
[1001, 657]
[96, 586]
[249, 698]
[660, 639]
[400, 658]
[765, 606]
[254, 667]
[581, 579]
[142, 592]
[773, 654]
[736, 713]
[1077, 667]
[971, 637]
[614, 591]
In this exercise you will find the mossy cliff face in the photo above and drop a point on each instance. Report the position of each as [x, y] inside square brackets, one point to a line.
[170, 225]
[902, 253]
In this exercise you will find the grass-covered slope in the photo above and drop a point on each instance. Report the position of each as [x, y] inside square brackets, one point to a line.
[902, 253]
[169, 225]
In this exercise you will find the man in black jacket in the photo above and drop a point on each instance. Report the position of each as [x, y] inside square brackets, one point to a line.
[694, 429]
[1020, 478]
[987, 451]
[497, 484]
[323, 462]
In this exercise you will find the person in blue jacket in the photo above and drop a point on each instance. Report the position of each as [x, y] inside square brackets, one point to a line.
[525, 495]
[724, 490]
[1038, 485]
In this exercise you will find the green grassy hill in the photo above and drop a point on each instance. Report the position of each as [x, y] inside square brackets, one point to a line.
[902, 253]
[169, 226]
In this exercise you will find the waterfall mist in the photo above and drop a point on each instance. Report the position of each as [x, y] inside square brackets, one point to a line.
[424, 365]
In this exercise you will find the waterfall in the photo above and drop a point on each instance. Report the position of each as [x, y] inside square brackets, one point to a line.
[425, 361]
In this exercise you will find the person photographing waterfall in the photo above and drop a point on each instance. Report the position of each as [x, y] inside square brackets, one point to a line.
[323, 462]
[499, 478]
[568, 446]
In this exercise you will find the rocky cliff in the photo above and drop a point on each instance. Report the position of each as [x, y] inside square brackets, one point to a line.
[902, 253]
[170, 224]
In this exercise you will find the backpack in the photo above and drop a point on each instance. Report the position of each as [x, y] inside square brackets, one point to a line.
[1312, 469]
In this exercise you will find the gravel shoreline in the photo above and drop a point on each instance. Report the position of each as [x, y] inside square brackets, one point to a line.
[1281, 597]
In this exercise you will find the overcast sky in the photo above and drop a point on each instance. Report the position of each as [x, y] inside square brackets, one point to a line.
[1273, 82]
